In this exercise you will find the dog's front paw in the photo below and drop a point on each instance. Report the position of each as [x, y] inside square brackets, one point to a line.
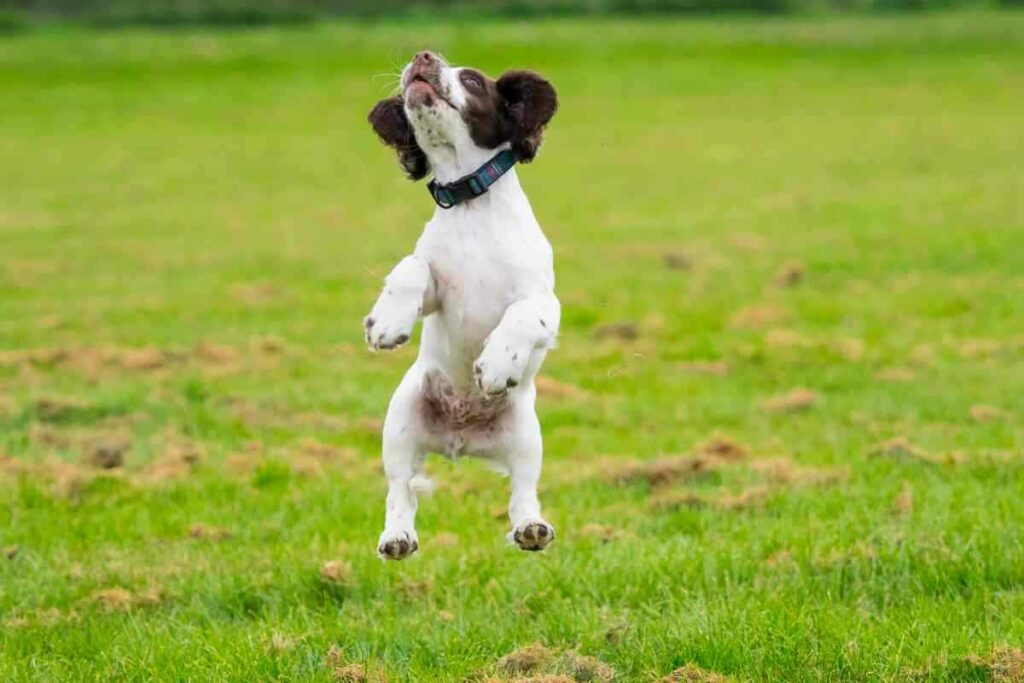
[500, 367]
[390, 322]
[397, 545]
[533, 534]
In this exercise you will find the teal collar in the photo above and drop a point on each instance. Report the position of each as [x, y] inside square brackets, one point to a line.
[473, 185]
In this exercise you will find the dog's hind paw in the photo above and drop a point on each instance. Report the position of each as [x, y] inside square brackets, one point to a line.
[533, 534]
[397, 546]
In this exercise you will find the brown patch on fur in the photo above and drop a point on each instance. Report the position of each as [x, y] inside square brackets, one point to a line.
[550, 387]
[789, 274]
[443, 407]
[757, 317]
[529, 102]
[982, 413]
[897, 374]
[797, 400]
[392, 127]
[691, 673]
[718, 368]
[208, 532]
[338, 572]
[623, 330]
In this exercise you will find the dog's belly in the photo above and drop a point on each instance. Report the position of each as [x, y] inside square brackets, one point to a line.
[460, 421]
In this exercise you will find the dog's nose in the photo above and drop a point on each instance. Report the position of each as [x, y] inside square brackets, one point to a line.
[424, 58]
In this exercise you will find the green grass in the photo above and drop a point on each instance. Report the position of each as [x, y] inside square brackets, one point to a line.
[197, 193]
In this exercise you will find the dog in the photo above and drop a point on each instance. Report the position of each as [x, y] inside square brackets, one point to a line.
[482, 279]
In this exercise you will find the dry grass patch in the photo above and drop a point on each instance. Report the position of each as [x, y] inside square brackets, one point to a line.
[784, 338]
[896, 374]
[901, 448]
[123, 600]
[549, 387]
[178, 461]
[345, 671]
[789, 274]
[336, 572]
[600, 532]
[1004, 663]
[10, 552]
[691, 673]
[677, 260]
[539, 662]
[208, 532]
[623, 331]
[798, 400]
[983, 413]
[904, 502]
[107, 452]
[716, 368]
[757, 317]
[662, 471]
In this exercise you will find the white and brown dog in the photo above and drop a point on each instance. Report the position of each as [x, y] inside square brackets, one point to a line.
[481, 278]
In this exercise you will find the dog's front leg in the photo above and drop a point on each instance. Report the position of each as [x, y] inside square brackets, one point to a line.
[528, 325]
[408, 293]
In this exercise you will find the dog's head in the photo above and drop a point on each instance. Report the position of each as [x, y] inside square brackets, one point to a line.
[447, 112]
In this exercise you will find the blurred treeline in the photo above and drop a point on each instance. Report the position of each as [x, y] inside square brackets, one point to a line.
[246, 12]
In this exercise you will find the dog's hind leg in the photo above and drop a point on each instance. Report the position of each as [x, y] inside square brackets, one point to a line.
[524, 455]
[403, 465]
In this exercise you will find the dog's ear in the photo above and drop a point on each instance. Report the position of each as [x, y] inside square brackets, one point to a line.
[530, 102]
[391, 125]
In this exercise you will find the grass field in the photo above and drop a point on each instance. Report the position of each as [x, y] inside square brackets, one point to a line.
[783, 427]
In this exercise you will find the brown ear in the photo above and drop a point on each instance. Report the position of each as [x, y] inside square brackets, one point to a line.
[389, 122]
[530, 102]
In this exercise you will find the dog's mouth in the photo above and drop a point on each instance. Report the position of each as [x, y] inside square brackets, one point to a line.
[423, 88]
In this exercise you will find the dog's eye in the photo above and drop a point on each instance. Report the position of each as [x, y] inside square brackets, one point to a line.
[472, 81]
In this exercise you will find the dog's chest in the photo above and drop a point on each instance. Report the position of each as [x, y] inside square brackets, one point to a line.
[481, 264]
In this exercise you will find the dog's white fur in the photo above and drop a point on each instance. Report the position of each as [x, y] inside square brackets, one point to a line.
[482, 279]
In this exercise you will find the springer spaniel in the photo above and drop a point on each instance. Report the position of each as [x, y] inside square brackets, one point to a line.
[481, 277]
